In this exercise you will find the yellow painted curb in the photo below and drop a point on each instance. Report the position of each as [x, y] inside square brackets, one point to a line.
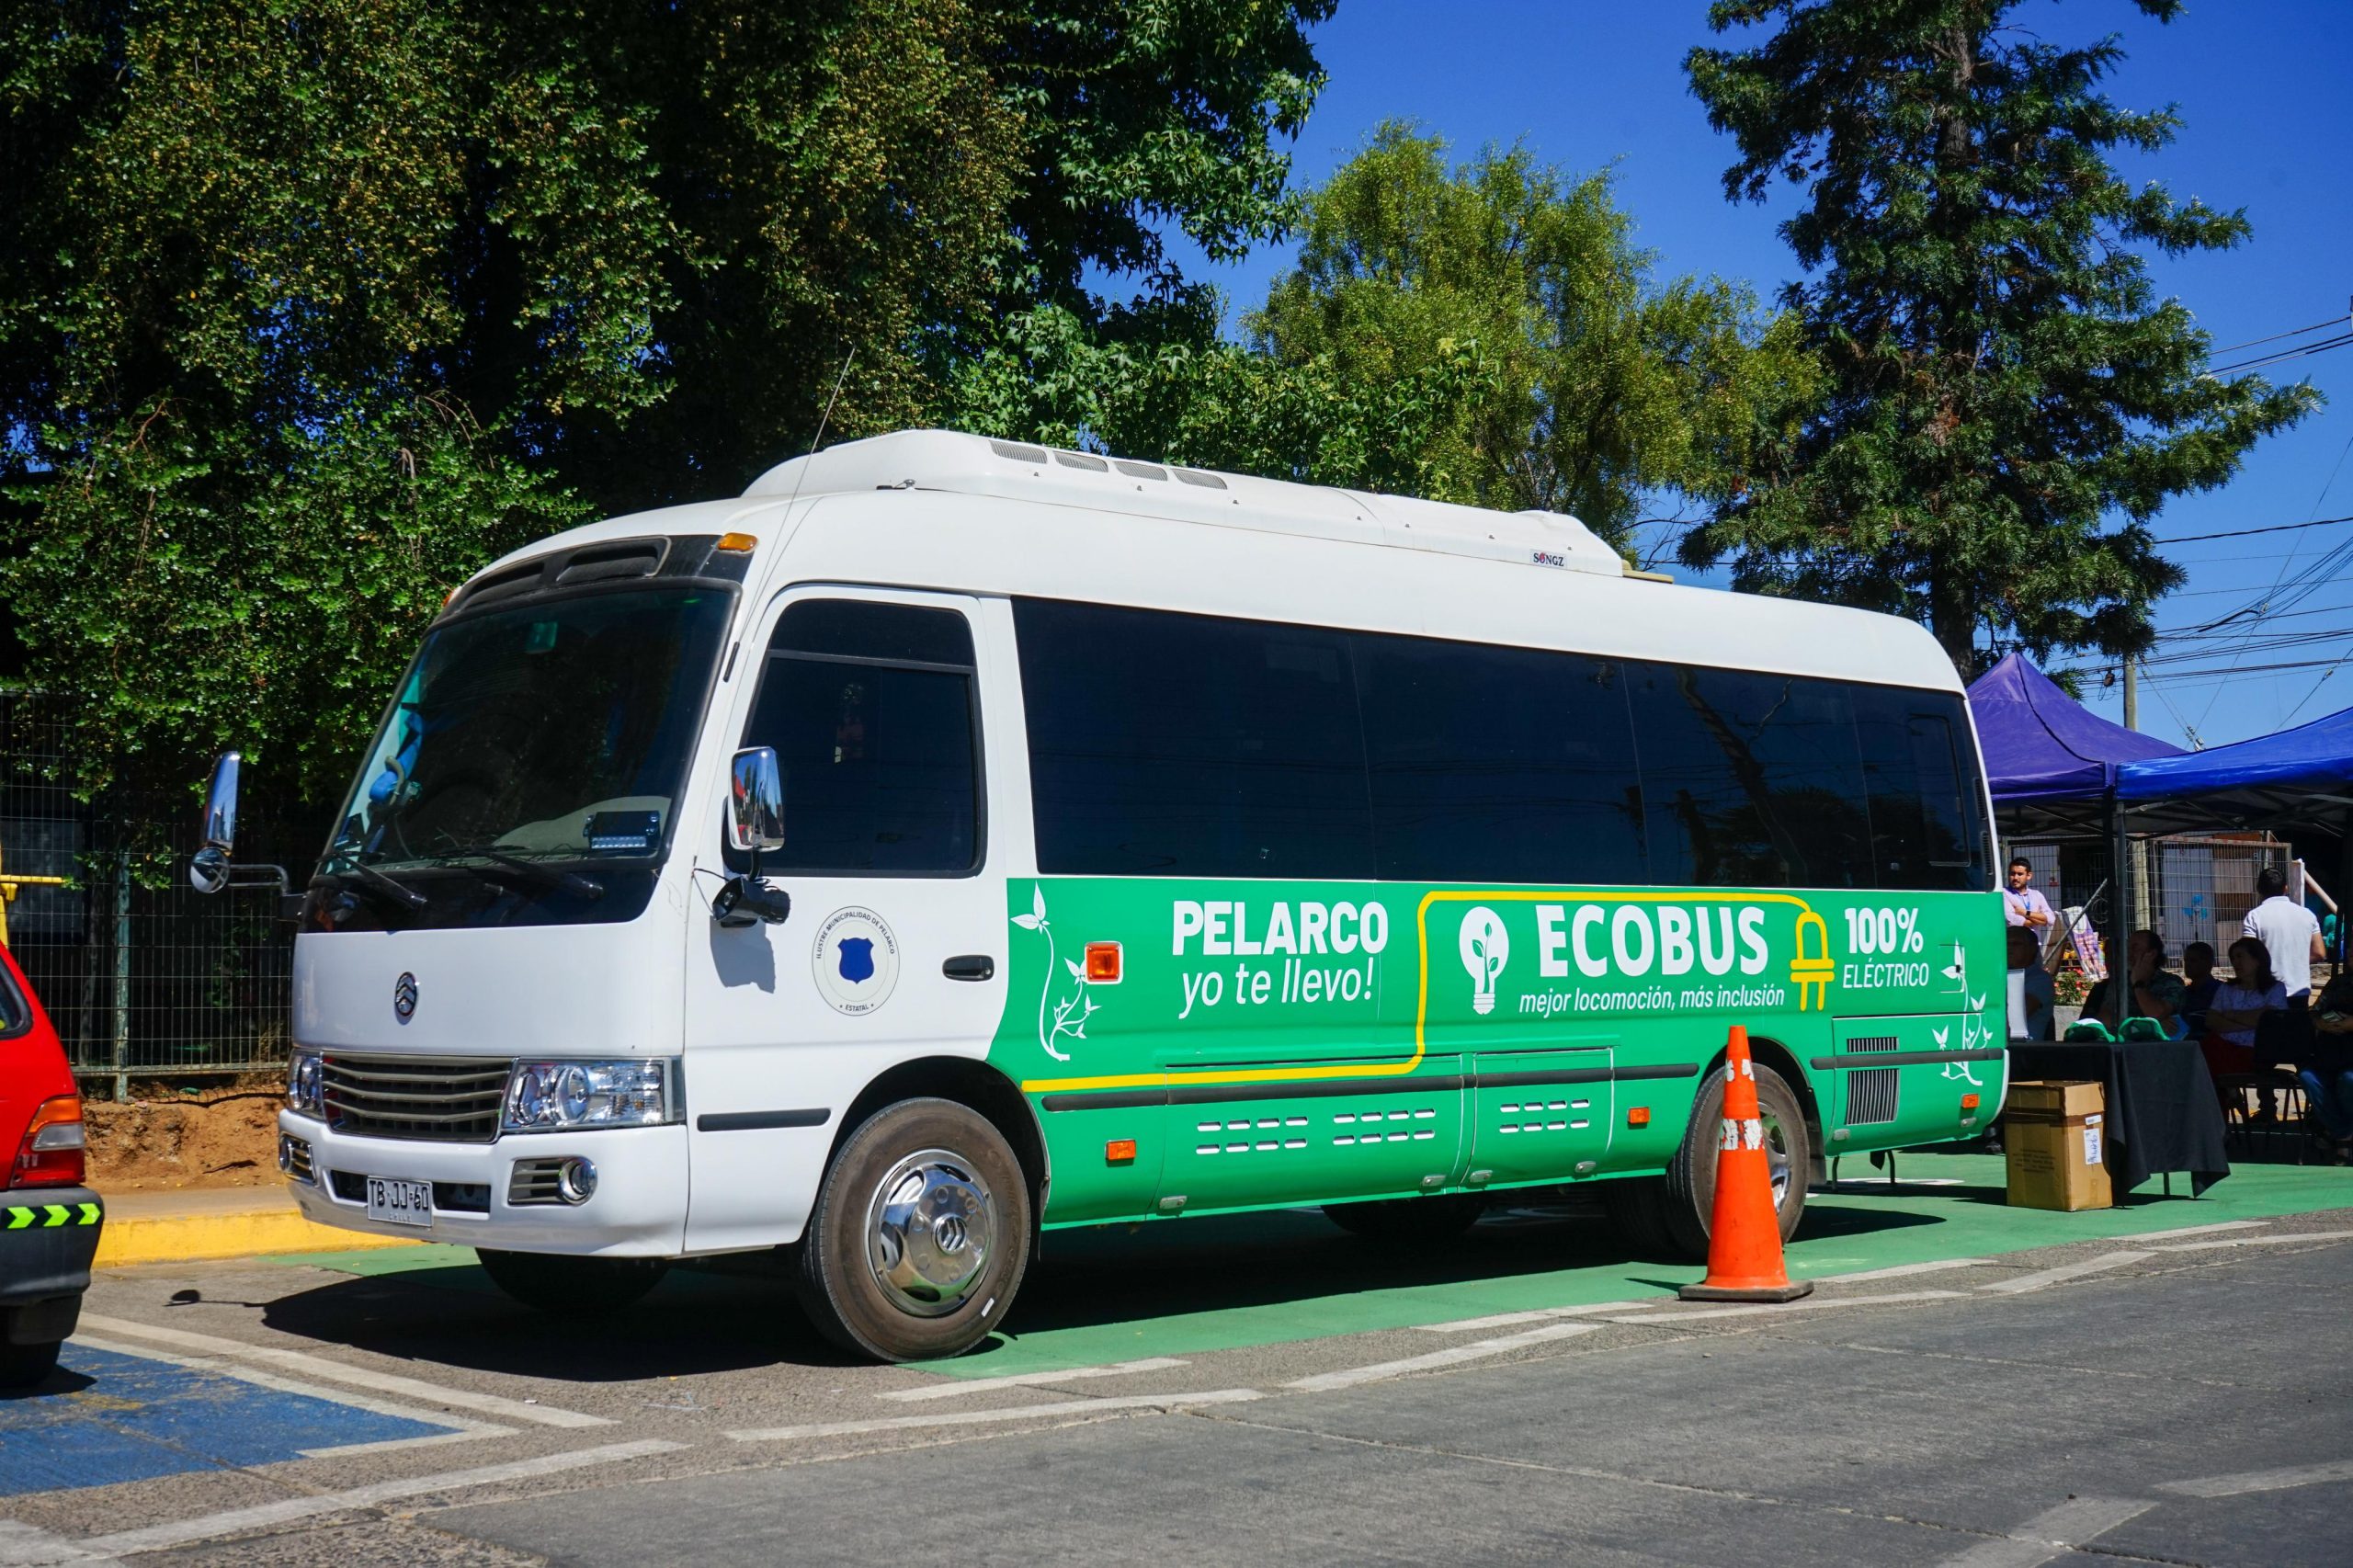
[184, 1238]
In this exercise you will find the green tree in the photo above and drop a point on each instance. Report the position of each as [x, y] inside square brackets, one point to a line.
[1602, 382]
[1488, 334]
[2004, 382]
[309, 307]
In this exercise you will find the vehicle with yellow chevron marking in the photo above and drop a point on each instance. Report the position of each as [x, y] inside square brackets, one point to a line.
[49, 1221]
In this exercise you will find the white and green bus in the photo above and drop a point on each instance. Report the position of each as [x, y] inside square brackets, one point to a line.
[954, 839]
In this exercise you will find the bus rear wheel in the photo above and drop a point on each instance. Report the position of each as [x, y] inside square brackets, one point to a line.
[571, 1286]
[919, 1237]
[1439, 1217]
[1669, 1216]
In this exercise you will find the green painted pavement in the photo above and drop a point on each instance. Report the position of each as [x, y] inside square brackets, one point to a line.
[1219, 1283]
[1258, 1279]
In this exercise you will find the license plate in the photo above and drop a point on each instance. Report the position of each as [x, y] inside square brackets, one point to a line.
[400, 1202]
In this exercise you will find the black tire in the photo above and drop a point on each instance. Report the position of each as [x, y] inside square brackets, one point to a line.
[869, 1294]
[23, 1366]
[1689, 1192]
[572, 1287]
[1439, 1217]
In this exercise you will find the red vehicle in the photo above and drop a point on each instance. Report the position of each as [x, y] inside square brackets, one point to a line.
[49, 1221]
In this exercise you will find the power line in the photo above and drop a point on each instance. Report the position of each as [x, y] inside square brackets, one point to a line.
[2242, 533]
[2252, 342]
[2282, 356]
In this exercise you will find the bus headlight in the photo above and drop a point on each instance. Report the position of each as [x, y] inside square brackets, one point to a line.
[304, 1086]
[551, 1096]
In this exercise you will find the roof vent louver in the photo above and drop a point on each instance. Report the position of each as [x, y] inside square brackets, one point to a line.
[1082, 460]
[1020, 454]
[1194, 476]
[1140, 470]
[606, 563]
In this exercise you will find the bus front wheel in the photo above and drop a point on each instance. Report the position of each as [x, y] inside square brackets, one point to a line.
[1669, 1215]
[920, 1233]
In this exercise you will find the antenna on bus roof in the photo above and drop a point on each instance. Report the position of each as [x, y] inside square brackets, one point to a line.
[823, 420]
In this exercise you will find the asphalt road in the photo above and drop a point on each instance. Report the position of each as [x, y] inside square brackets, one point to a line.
[2174, 1397]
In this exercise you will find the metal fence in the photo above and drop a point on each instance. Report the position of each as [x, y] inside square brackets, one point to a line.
[144, 976]
[2190, 887]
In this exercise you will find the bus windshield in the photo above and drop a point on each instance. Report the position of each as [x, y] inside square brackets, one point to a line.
[552, 730]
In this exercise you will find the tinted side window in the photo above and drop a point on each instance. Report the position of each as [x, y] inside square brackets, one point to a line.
[870, 710]
[1749, 779]
[1192, 746]
[1921, 771]
[15, 1016]
[1499, 764]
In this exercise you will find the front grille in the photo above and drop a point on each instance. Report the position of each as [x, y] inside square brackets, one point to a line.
[448, 1099]
[1871, 1091]
[534, 1181]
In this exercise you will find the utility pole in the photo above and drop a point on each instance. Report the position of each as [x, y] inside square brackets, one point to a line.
[2137, 849]
[2131, 694]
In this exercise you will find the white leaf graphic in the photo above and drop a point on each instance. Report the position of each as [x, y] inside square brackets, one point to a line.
[1939, 1035]
[1077, 970]
[1027, 922]
[1038, 901]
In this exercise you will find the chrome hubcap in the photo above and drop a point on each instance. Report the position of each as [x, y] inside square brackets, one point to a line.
[1777, 1158]
[929, 1233]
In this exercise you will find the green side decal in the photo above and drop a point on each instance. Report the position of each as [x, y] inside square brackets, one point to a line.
[1266, 1043]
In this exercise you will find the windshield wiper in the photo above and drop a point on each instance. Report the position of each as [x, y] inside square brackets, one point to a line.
[520, 870]
[370, 880]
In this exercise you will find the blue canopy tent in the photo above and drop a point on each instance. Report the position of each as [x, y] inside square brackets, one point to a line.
[2051, 762]
[2297, 778]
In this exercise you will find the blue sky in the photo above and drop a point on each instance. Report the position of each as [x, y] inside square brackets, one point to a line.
[2265, 88]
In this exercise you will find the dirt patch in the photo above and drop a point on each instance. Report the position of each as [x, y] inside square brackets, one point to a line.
[227, 1140]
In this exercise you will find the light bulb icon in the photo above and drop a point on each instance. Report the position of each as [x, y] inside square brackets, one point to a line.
[1485, 946]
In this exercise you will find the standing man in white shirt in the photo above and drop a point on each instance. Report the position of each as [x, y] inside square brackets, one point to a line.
[2024, 902]
[2287, 932]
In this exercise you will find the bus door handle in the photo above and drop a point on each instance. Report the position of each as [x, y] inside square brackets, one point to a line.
[969, 966]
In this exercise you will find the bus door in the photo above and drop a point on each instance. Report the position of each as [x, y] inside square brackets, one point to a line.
[896, 946]
[1542, 1115]
[1319, 1139]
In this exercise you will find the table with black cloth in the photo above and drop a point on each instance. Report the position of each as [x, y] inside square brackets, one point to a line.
[2162, 1111]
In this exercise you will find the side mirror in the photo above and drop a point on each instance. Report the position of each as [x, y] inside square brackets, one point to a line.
[755, 823]
[755, 798]
[209, 871]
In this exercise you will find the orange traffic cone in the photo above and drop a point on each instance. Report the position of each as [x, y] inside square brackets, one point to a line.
[1744, 1234]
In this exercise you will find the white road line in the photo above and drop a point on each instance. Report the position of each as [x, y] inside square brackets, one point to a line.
[21, 1543]
[1322, 1382]
[1808, 1304]
[2260, 1481]
[2196, 1230]
[948, 1388]
[2262, 1240]
[453, 1428]
[1903, 1270]
[2048, 1534]
[1538, 1314]
[357, 1377]
[183, 1532]
[1163, 1402]
[2065, 1272]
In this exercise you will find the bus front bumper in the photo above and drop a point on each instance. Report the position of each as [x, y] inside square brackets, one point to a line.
[637, 1210]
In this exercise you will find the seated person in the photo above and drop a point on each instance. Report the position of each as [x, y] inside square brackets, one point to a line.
[2157, 992]
[2238, 1007]
[2199, 984]
[2327, 1077]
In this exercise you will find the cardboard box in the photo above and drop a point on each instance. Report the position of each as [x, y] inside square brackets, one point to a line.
[2056, 1135]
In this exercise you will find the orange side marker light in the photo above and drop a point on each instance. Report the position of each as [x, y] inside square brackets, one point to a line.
[1119, 1152]
[1969, 1102]
[1640, 1116]
[1102, 963]
[737, 544]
